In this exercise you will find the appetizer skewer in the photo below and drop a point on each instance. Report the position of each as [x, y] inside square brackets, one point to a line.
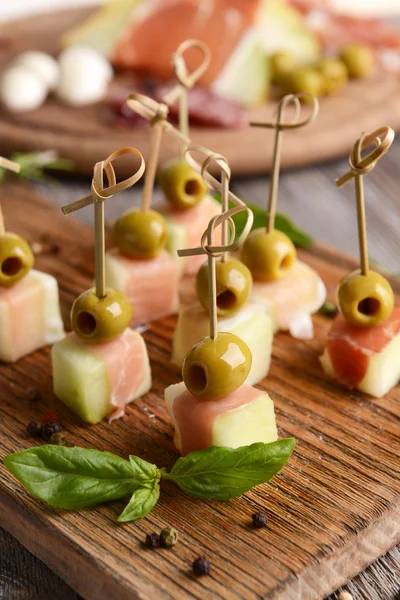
[103, 364]
[140, 238]
[213, 406]
[29, 303]
[363, 344]
[293, 288]
[188, 207]
[251, 321]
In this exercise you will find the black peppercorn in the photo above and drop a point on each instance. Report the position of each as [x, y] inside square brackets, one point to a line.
[259, 520]
[32, 394]
[152, 540]
[34, 429]
[49, 429]
[201, 566]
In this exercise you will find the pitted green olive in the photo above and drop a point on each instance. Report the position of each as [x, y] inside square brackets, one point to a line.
[233, 286]
[306, 80]
[365, 300]
[98, 320]
[283, 65]
[334, 75]
[214, 368]
[16, 258]
[140, 234]
[268, 255]
[358, 59]
[181, 184]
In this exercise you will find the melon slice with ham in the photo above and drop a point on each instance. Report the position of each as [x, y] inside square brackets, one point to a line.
[185, 228]
[99, 380]
[295, 297]
[152, 286]
[366, 358]
[29, 316]
[253, 324]
[243, 417]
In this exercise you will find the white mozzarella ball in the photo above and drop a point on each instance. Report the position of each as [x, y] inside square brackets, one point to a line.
[42, 64]
[21, 89]
[84, 76]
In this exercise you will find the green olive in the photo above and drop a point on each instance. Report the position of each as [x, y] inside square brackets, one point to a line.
[359, 60]
[214, 368]
[283, 65]
[233, 286]
[365, 300]
[334, 75]
[181, 184]
[269, 256]
[140, 234]
[306, 80]
[98, 320]
[16, 258]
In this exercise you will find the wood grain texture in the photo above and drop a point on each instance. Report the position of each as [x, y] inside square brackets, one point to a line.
[333, 509]
[81, 134]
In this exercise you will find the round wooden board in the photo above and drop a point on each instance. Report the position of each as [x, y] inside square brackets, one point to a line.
[80, 134]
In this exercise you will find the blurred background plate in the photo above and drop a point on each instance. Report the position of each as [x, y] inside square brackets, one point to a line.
[81, 134]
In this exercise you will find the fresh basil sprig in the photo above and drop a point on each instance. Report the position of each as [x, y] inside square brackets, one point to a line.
[75, 478]
[35, 164]
[299, 238]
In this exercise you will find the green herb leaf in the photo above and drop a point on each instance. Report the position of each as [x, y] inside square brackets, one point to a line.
[221, 473]
[142, 502]
[34, 165]
[73, 478]
[299, 238]
[142, 470]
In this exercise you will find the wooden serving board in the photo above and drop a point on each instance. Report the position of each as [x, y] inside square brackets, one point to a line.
[332, 510]
[81, 134]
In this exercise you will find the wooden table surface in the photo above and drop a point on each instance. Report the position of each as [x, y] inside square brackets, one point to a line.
[311, 199]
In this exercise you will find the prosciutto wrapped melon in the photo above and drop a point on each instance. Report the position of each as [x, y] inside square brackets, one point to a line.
[29, 315]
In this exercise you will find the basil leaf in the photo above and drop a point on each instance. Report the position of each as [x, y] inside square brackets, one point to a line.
[143, 470]
[298, 237]
[221, 473]
[72, 478]
[142, 502]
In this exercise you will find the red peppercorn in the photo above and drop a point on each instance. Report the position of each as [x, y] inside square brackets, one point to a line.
[260, 520]
[201, 566]
[152, 540]
[50, 415]
[34, 429]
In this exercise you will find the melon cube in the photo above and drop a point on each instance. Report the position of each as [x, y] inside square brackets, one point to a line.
[242, 418]
[95, 380]
[29, 316]
[295, 297]
[253, 324]
[185, 228]
[152, 286]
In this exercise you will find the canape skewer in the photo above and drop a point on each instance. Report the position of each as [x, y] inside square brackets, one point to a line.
[279, 125]
[97, 197]
[382, 138]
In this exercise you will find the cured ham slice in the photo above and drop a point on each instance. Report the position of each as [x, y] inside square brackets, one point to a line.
[29, 316]
[253, 324]
[152, 286]
[95, 380]
[297, 296]
[185, 228]
[366, 358]
[244, 417]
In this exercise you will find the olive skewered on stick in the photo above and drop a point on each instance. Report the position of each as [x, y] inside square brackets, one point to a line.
[364, 296]
[269, 253]
[16, 256]
[100, 314]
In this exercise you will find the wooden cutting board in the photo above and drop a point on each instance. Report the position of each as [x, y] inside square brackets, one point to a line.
[81, 134]
[332, 510]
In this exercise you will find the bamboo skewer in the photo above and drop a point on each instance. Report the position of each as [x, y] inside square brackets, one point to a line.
[383, 139]
[10, 165]
[186, 81]
[280, 126]
[97, 197]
